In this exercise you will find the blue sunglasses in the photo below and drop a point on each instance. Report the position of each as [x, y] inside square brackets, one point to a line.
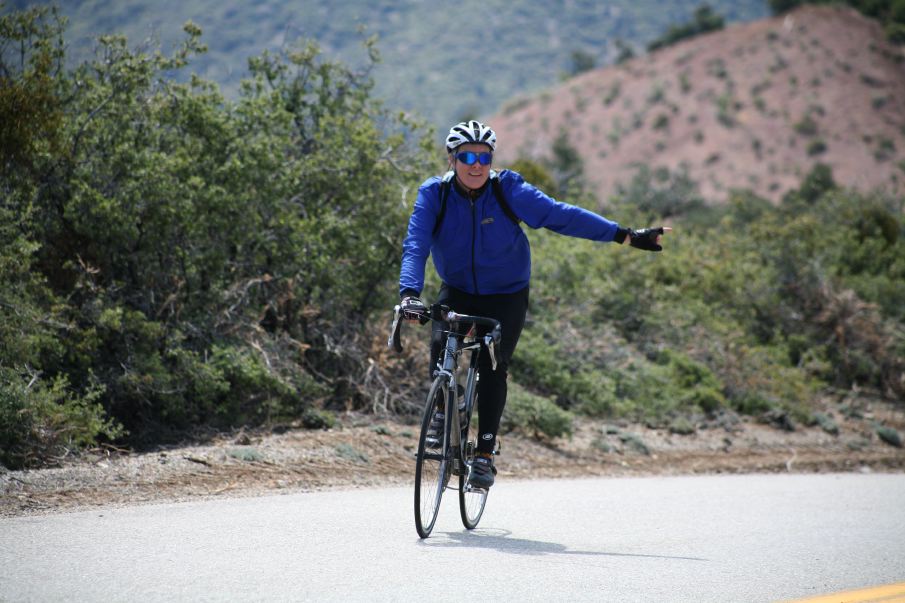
[470, 157]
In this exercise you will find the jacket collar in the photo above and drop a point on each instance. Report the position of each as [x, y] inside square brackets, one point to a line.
[471, 195]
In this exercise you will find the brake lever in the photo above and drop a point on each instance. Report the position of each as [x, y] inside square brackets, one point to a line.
[491, 344]
[395, 342]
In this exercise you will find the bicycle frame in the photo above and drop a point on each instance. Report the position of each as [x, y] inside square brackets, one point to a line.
[449, 367]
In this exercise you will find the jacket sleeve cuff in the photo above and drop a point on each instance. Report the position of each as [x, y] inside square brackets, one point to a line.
[621, 233]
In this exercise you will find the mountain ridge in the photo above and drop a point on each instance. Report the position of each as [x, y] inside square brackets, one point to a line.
[442, 63]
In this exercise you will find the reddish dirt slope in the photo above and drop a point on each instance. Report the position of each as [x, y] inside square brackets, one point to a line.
[753, 106]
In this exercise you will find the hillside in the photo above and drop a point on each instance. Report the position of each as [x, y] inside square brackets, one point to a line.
[753, 106]
[175, 264]
[442, 64]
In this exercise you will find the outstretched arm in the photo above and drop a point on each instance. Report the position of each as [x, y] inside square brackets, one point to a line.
[539, 210]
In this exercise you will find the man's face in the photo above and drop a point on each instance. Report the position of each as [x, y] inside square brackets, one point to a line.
[475, 175]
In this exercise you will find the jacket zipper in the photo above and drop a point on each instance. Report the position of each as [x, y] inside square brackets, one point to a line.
[474, 241]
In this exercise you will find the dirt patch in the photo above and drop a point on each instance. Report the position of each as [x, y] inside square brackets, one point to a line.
[366, 451]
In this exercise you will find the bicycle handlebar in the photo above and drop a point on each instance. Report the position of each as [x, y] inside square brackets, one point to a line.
[491, 339]
[477, 320]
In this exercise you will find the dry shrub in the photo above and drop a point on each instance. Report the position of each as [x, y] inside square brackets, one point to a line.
[866, 347]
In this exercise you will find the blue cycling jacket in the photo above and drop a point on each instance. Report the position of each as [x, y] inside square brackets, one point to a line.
[478, 249]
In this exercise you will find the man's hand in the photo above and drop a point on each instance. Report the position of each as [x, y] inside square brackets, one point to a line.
[413, 309]
[647, 239]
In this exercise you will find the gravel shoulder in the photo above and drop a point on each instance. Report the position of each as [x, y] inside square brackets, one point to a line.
[367, 451]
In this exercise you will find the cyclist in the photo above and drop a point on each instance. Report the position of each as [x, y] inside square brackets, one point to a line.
[483, 260]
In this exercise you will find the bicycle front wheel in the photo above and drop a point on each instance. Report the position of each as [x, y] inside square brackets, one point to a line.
[471, 500]
[431, 464]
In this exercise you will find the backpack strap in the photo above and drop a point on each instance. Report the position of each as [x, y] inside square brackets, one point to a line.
[445, 183]
[501, 198]
[495, 184]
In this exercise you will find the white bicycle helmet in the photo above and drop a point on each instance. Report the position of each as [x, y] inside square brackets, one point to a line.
[470, 131]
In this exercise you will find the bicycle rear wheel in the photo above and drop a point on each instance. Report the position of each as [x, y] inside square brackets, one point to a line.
[431, 464]
[471, 500]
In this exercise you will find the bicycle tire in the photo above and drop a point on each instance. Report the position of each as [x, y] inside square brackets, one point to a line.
[471, 501]
[431, 465]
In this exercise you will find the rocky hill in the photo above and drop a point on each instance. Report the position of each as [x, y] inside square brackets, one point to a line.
[753, 106]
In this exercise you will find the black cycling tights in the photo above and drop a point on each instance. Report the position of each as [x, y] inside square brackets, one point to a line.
[508, 308]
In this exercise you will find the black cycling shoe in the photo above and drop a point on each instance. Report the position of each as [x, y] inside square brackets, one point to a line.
[435, 430]
[482, 472]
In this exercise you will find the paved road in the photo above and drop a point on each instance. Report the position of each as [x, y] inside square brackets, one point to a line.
[712, 538]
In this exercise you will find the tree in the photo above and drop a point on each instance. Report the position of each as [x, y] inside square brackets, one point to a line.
[582, 61]
[567, 165]
[184, 259]
[31, 53]
[625, 51]
[781, 6]
[705, 20]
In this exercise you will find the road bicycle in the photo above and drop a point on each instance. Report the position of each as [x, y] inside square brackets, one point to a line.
[454, 456]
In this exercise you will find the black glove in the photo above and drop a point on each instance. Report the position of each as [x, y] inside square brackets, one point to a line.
[646, 238]
[413, 309]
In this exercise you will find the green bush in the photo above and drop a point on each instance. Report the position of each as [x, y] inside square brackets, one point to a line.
[707, 399]
[817, 182]
[807, 126]
[313, 418]
[752, 403]
[673, 386]
[827, 423]
[895, 32]
[661, 193]
[549, 369]
[889, 435]
[534, 415]
[536, 174]
[352, 454]
[816, 147]
[762, 294]
[752, 308]
[42, 422]
[681, 426]
[199, 260]
[634, 442]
